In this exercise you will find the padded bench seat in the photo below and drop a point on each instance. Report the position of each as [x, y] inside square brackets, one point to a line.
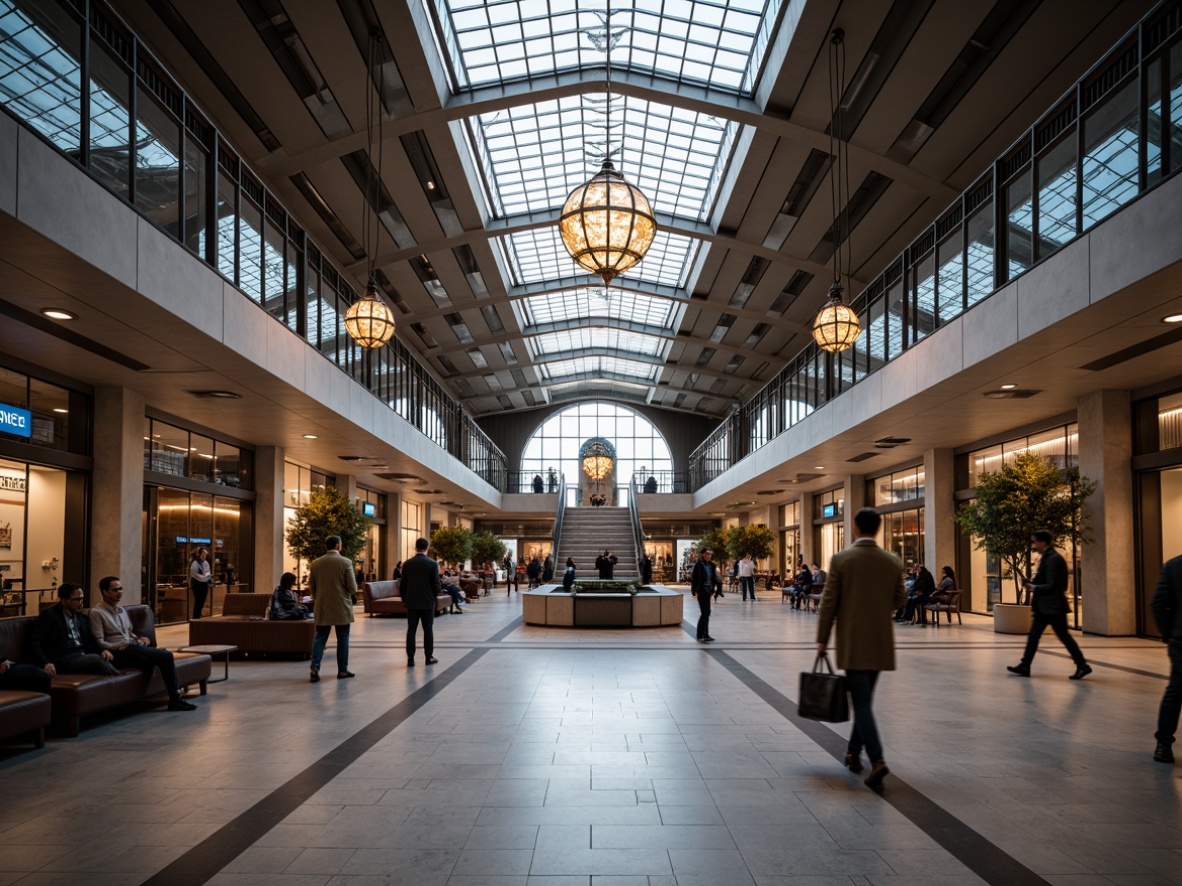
[244, 623]
[24, 713]
[381, 598]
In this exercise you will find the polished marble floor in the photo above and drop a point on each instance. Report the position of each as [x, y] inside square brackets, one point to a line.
[555, 757]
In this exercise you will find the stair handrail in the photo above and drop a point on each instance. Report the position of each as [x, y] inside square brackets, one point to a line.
[561, 512]
[637, 531]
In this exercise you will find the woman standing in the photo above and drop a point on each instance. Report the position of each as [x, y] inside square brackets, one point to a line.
[200, 575]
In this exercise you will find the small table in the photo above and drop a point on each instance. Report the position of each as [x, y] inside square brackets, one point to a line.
[211, 651]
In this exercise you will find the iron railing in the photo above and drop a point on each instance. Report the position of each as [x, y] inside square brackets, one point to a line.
[649, 482]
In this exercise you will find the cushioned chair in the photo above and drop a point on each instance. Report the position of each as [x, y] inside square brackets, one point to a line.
[947, 606]
[244, 623]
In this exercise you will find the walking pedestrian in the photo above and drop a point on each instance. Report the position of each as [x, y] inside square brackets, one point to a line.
[704, 581]
[420, 586]
[1167, 614]
[862, 592]
[333, 587]
[1048, 599]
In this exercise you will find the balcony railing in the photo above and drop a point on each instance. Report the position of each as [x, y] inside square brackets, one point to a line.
[649, 482]
[94, 92]
[1115, 135]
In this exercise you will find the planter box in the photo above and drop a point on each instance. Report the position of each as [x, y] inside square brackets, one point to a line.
[1010, 618]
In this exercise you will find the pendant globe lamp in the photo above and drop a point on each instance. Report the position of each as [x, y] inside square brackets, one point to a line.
[836, 326]
[369, 320]
[607, 223]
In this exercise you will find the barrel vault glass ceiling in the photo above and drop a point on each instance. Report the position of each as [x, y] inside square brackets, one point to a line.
[582, 338]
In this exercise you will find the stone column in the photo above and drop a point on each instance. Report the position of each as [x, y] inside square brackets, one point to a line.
[939, 530]
[1105, 453]
[269, 543]
[855, 500]
[393, 531]
[807, 529]
[116, 530]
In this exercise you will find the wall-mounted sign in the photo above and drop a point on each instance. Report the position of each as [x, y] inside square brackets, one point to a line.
[829, 510]
[12, 483]
[369, 509]
[14, 420]
[193, 540]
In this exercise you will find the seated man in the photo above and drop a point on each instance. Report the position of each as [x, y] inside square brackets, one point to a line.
[61, 640]
[23, 677]
[456, 599]
[112, 631]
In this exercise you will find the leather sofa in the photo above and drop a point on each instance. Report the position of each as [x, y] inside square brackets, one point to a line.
[244, 623]
[24, 713]
[74, 696]
[381, 598]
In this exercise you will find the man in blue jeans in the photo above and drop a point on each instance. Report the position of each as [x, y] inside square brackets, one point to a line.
[864, 588]
[333, 586]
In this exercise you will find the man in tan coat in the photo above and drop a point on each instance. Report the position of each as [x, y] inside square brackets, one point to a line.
[864, 588]
[333, 587]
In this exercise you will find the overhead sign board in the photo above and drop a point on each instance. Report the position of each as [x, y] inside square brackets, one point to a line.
[14, 420]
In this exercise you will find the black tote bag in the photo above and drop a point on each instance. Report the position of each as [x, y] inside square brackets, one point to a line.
[823, 695]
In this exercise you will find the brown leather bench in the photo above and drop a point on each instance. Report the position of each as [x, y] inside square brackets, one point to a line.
[244, 623]
[24, 713]
[74, 696]
[381, 598]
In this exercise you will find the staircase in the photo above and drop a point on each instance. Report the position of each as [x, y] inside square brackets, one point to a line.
[586, 532]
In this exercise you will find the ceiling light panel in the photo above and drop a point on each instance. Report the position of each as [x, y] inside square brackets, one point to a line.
[716, 43]
[533, 156]
[601, 367]
[596, 302]
[538, 256]
[575, 340]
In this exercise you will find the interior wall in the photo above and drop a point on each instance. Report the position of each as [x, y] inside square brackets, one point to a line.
[683, 432]
[47, 527]
[1171, 514]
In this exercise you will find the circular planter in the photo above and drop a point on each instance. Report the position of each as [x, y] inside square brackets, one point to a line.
[1010, 618]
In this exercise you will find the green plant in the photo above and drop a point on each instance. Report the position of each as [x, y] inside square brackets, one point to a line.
[754, 539]
[451, 544]
[714, 539]
[328, 512]
[486, 548]
[1026, 495]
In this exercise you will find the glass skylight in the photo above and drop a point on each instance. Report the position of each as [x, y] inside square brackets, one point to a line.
[598, 338]
[716, 43]
[592, 301]
[534, 155]
[537, 256]
[600, 367]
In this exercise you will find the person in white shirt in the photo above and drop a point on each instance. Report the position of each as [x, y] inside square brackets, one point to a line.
[111, 627]
[200, 577]
[747, 577]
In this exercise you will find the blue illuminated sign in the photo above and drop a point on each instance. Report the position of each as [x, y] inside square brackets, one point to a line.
[369, 509]
[14, 420]
[829, 511]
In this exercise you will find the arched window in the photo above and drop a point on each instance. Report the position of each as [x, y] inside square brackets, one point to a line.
[556, 441]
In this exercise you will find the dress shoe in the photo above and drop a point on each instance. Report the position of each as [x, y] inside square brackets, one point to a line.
[345, 675]
[853, 762]
[709, 639]
[410, 662]
[432, 660]
[1082, 671]
[1162, 753]
[457, 611]
[877, 774]
[1020, 669]
[179, 704]
[315, 678]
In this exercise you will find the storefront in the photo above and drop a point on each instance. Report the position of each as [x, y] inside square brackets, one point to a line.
[299, 482]
[197, 495]
[789, 539]
[828, 525]
[44, 480]
[372, 558]
[1157, 467]
[899, 497]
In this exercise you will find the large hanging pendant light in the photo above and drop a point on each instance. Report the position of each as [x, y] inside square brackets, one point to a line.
[836, 326]
[607, 224]
[369, 320]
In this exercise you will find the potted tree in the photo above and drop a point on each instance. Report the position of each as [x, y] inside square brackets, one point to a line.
[1028, 494]
[451, 544]
[754, 539]
[328, 512]
[487, 552]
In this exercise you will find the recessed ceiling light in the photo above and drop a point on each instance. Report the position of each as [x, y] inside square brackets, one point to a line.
[1173, 318]
[61, 411]
[818, 467]
[216, 395]
[311, 437]
[1008, 387]
[59, 314]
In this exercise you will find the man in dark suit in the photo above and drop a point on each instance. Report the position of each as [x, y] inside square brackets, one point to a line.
[420, 586]
[1049, 601]
[1167, 614]
[704, 581]
[61, 641]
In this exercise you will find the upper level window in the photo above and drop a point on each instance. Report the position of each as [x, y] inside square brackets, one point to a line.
[39, 413]
[1060, 445]
[906, 485]
[172, 450]
[829, 505]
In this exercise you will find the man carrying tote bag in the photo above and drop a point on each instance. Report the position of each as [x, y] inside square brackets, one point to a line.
[864, 589]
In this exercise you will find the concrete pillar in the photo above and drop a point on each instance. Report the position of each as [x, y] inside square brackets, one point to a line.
[269, 543]
[855, 500]
[393, 531]
[347, 484]
[939, 530]
[116, 530]
[807, 530]
[1105, 453]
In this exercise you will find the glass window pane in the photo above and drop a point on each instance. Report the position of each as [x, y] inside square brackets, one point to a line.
[1175, 87]
[895, 312]
[876, 333]
[1019, 212]
[274, 280]
[197, 170]
[1157, 128]
[169, 449]
[924, 286]
[201, 458]
[50, 406]
[157, 162]
[1056, 195]
[951, 278]
[250, 266]
[979, 256]
[227, 227]
[110, 120]
[40, 73]
[1110, 154]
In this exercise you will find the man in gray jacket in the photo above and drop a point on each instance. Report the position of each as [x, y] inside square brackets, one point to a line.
[420, 586]
[1167, 614]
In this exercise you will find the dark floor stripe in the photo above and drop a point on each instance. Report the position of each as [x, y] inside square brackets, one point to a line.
[988, 861]
[1096, 663]
[207, 858]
